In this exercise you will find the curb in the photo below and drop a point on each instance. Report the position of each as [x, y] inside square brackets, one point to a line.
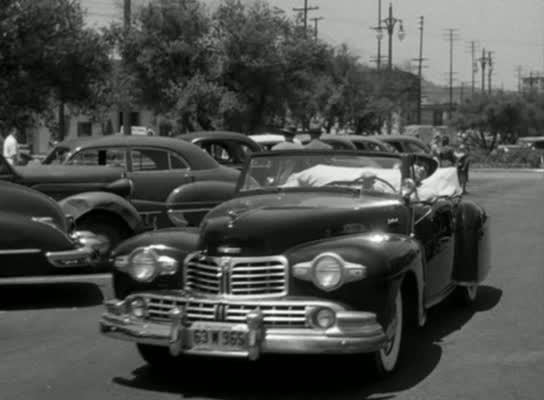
[508, 170]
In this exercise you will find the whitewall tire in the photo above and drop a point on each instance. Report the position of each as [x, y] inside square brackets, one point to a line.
[387, 358]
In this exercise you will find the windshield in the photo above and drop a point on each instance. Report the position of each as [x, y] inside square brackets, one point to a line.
[57, 156]
[307, 170]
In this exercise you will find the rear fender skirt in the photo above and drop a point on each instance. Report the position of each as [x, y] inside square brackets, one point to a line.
[82, 204]
[472, 245]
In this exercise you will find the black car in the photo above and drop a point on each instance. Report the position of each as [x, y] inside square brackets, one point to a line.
[319, 252]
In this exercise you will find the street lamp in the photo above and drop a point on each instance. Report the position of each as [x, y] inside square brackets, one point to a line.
[390, 23]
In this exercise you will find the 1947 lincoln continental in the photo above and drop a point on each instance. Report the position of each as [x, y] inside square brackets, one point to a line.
[319, 252]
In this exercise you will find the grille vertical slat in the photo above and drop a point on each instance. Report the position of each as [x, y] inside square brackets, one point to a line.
[236, 276]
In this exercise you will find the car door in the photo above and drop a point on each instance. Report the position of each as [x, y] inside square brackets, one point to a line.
[155, 172]
[434, 229]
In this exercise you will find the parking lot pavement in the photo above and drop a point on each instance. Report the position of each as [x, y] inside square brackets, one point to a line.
[50, 346]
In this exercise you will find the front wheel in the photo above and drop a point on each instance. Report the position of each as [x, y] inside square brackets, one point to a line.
[467, 295]
[387, 359]
[156, 356]
[110, 231]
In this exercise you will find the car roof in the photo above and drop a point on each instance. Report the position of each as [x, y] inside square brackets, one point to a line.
[395, 138]
[224, 135]
[197, 158]
[267, 138]
[362, 138]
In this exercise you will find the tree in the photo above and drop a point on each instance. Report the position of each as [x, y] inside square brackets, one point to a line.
[46, 56]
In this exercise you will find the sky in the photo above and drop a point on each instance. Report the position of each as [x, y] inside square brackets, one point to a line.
[512, 29]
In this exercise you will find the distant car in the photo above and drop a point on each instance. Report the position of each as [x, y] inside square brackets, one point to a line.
[404, 143]
[338, 142]
[319, 252]
[231, 149]
[269, 140]
[156, 166]
[37, 239]
[533, 142]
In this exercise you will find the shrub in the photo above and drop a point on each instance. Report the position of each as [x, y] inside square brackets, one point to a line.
[517, 158]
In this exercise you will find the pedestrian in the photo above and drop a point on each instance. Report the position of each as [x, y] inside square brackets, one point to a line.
[446, 153]
[315, 141]
[289, 134]
[11, 147]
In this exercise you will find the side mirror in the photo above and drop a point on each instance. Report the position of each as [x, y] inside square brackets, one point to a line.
[407, 189]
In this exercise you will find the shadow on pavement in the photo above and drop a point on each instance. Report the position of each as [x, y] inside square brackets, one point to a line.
[312, 377]
[49, 295]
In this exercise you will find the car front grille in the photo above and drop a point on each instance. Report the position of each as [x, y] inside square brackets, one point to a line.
[236, 276]
[276, 314]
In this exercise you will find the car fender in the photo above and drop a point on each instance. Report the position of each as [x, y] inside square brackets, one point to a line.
[82, 204]
[472, 244]
[188, 204]
[387, 258]
[176, 243]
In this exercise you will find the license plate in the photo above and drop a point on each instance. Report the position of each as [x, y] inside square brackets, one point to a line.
[219, 336]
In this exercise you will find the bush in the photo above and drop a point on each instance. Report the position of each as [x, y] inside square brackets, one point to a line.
[517, 158]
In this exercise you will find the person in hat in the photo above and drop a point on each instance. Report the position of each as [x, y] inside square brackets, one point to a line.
[316, 142]
[289, 143]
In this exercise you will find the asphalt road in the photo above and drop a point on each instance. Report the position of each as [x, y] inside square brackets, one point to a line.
[50, 347]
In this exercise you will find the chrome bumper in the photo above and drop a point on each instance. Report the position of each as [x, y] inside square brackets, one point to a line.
[353, 332]
[84, 256]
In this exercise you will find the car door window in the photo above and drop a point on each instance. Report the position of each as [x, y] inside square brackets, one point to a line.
[149, 160]
[219, 152]
[114, 157]
[415, 148]
[176, 162]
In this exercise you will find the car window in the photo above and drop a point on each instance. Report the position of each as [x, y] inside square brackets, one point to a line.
[415, 148]
[219, 152]
[57, 156]
[149, 160]
[396, 145]
[114, 157]
[539, 145]
[176, 162]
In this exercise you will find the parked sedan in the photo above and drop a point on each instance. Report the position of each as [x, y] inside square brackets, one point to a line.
[404, 143]
[231, 149]
[156, 166]
[319, 252]
[37, 239]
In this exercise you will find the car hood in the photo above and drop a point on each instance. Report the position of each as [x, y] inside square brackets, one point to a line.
[272, 223]
[68, 173]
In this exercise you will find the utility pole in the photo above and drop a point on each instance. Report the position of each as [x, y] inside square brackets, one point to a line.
[519, 70]
[451, 38]
[316, 21]
[127, 128]
[304, 12]
[474, 65]
[420, 60]
[490, 64]
[379, 36]
[483, 63]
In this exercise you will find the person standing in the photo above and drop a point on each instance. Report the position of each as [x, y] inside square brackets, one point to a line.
[11, 147]
[289, 143]
[316, 142]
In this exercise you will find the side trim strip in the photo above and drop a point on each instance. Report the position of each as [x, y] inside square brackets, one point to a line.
[19, 251]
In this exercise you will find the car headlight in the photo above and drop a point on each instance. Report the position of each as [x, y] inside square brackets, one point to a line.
[323, 318]
[328, 271]
[138, 307]
[144, 265]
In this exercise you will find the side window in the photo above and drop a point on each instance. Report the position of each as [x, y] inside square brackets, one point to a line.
[396, 145]
[176, 162]
[415, 148]
[110, 157]
[149, 160]
[219, 152]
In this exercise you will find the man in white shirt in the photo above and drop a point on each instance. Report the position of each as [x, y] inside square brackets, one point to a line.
[11, 147]
[289, 134]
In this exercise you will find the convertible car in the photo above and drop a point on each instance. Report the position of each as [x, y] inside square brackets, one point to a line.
[319, 252]
[37, 239]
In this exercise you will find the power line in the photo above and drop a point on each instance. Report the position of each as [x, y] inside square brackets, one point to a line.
[305, 11]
